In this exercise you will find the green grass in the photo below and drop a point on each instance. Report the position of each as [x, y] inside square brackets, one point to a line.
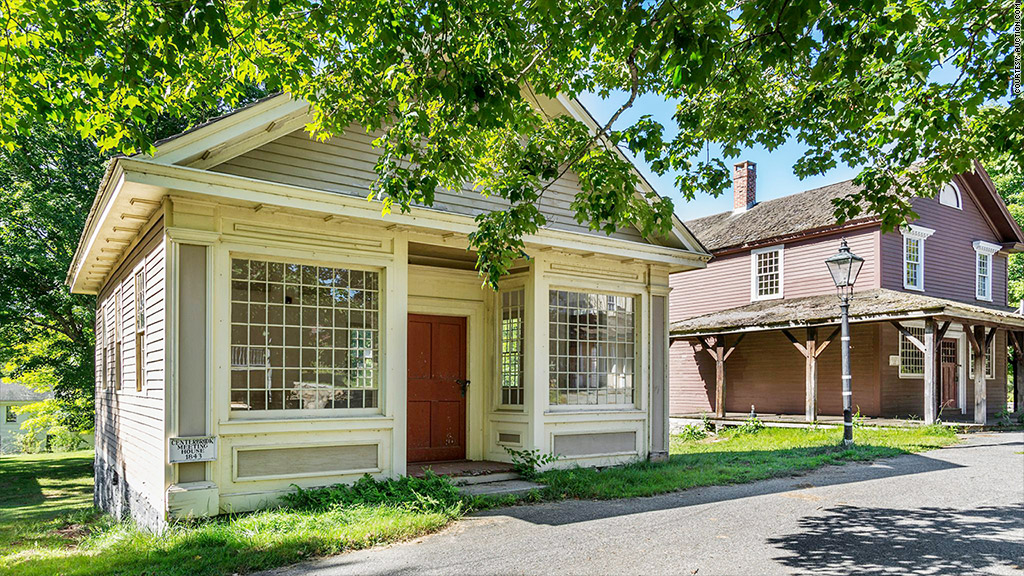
[734, 458]
[48, 525]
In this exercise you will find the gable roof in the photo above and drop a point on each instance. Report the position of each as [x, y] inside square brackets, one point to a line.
[778, 218]
[812, 211]
[17, 392]
[134, 191]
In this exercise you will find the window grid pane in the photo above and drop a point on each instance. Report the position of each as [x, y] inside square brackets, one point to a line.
[511, 342]
[591, 348]
[303, 336]
[912, 262]
[768, 273]
[983, 275]
[911, 358]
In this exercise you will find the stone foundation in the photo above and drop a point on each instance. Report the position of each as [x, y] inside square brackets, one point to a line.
[116, 497]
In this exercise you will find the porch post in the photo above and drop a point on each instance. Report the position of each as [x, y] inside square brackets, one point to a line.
[929, 371]
[811, 392]
[719, 354]
[1018, 366]
[980, 344]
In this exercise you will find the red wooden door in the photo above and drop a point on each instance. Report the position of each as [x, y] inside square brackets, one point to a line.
[950, 389]
[437, 405]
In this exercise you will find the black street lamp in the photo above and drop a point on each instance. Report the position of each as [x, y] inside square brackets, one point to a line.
[844, 267]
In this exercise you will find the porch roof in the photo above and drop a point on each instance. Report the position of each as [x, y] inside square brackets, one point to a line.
[823, 310]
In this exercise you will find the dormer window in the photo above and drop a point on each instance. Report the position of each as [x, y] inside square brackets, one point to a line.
[950, 196]
[983, 253]
[913, 255]
[766, 273]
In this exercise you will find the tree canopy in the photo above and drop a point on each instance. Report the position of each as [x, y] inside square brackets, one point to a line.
[894, 86]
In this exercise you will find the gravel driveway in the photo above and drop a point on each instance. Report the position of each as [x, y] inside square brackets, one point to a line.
[955, 510]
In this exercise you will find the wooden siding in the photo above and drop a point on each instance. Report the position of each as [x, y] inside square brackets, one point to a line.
[904, 397]
[949, 257]
[725, 283]
[130, 424]
[345, 165]
[767, 371]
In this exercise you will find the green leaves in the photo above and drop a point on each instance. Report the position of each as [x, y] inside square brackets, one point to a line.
[452, 91]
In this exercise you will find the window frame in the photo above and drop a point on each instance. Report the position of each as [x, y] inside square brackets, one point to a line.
[638, 325]
[956, 191]
[780, 249]
[10, 416]
[987, 250]
[990, 361]
[140, 322]
[917, 331]
[511, 289]
[918, 234]
[380, 360]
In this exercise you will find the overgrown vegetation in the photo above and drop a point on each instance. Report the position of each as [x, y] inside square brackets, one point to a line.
[48, 525]
[527, 463]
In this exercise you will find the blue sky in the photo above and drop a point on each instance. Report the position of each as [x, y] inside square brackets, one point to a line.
[775, 169]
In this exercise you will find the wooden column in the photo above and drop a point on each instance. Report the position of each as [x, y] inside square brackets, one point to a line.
[720, 353]
[930, 376]
[1017, 339]
[811, 350]
[811, 377]
[980, 341]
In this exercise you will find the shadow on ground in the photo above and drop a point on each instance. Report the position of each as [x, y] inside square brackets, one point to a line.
[857, 540]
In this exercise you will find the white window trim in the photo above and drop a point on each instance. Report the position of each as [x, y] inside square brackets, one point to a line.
[780, 248]
[959, 197]
[990, 351]
[910, 231]
[982, 248]
[899, 351]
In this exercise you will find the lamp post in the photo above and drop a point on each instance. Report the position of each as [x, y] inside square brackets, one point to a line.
[844, 267]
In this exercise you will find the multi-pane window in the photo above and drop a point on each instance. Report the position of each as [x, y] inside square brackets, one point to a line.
[912, 277]
[989, 365]
[984, 251]
[140, 329]
[766, 273]
[984, 286]
[11, 417]
[118, 321]
[303, 337]
[592, 340]
[911, 357]
[511, 342]
[913, 255]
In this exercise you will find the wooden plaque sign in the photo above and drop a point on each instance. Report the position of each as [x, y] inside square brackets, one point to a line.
[192, 449]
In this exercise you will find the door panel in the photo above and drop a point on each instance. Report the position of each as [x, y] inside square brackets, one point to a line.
[949, 373]
[437, 407]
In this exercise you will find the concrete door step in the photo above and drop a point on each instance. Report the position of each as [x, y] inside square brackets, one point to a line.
[502, 488]
[484, 478]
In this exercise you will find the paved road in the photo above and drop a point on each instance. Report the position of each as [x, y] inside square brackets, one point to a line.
[950, 511]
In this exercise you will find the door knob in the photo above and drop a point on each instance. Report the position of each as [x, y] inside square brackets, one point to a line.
[463, 383]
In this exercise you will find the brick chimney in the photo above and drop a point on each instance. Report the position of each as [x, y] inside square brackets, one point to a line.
[744, 185]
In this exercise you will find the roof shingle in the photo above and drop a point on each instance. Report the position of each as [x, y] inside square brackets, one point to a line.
[785, 216]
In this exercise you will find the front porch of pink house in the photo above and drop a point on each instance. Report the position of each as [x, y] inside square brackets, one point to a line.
[913, 360]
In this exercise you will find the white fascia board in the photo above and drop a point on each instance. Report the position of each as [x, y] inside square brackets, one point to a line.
[248, 190]
[234, 126]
